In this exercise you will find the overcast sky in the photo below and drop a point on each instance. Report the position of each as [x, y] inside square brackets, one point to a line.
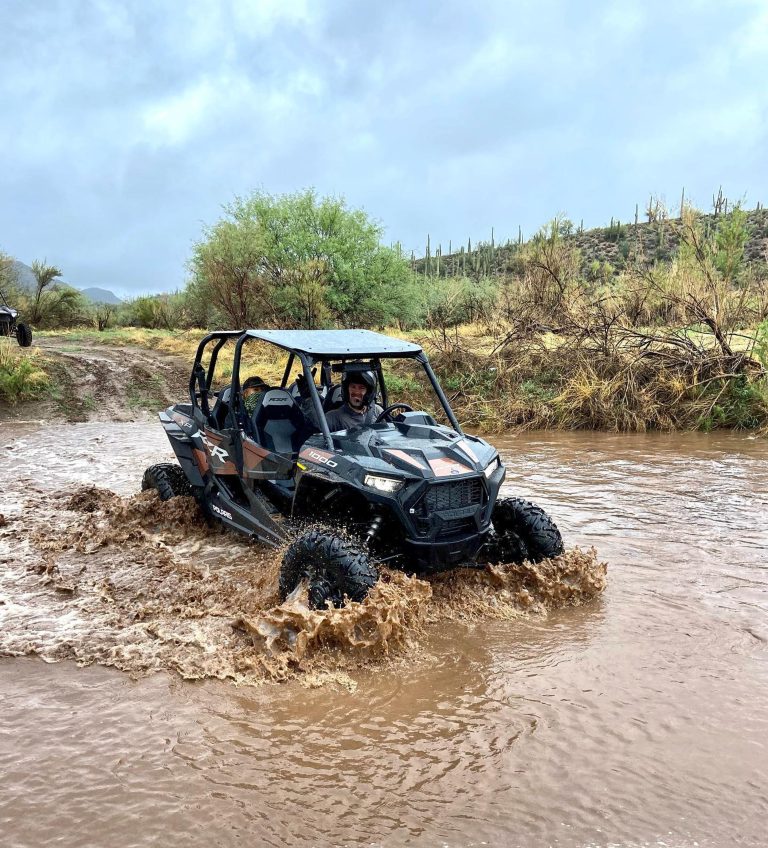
[125, 126]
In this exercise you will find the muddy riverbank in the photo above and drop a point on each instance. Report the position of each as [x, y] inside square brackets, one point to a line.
[97, 382]
[636, 719]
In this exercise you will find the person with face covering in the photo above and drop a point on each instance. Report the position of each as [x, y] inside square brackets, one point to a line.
[253, 389]
[358, 388]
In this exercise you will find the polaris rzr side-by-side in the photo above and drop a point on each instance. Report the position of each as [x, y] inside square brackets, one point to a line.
[400, 488]
[11, 326]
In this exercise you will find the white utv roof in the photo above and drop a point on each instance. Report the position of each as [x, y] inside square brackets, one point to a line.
[337, 343]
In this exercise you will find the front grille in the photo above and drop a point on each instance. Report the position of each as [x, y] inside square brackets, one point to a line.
[440, 502]
[453, 495]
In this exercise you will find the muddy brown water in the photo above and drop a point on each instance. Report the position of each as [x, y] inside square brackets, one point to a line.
[637, 718]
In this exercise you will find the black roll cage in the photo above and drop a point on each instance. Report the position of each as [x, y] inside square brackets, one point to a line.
[2, 297]
[201, 378]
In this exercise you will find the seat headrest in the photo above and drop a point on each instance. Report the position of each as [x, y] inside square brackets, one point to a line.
[277, 398]
[275, 403]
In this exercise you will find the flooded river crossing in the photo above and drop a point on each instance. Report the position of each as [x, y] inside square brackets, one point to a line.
[637, 718]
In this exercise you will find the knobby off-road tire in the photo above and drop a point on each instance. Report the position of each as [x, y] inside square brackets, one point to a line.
[168, 479]
[23, 335]
[334, 567]
[523, 531]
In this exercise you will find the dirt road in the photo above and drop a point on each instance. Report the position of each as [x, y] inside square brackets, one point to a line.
[102, 382]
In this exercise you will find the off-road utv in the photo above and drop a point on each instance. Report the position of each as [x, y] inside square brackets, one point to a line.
[401, 489]
[9, 326]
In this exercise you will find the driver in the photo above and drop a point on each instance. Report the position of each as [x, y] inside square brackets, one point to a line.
[358, 388]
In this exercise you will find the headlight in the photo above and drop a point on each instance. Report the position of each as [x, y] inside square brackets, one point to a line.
[382, 484]
[491, 467]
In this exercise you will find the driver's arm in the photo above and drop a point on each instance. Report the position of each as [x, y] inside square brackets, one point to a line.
[333, 421]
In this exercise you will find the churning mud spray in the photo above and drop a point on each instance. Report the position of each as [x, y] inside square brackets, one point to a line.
[145, 586]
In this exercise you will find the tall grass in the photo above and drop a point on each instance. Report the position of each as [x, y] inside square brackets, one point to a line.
[22, 376]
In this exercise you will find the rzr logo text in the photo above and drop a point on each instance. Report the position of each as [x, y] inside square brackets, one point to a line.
[215, 451]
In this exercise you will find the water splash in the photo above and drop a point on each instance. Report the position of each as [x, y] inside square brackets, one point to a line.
[144, 586]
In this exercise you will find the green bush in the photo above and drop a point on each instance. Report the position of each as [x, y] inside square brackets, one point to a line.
[742, 404]
[20, 376]
[302, 260]
[761, 343]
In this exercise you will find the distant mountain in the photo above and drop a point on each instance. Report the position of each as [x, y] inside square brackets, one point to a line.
[24, 276]
[26, 281]
[100, 295]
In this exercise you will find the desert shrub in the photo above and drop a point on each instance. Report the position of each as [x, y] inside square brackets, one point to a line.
[624, 249]
[742, 403]
[155, 312]
[60, 307]
[451, 301]
[21, 375]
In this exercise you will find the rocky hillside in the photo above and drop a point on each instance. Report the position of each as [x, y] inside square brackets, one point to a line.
[660, 240]
[617, 244]
[97, 295]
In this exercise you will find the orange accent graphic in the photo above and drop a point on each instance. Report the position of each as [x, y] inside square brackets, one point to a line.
[201, 458]
[253, 455]
[448, 467]
[312, 454]
[181, 420]
[406, 457]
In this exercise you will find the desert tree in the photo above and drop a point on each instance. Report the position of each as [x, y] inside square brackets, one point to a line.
[45, 275]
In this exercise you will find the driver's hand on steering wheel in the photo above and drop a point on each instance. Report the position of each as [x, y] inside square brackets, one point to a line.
[386, 414]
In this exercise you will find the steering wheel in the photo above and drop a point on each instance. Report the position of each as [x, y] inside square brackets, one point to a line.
[386, 414]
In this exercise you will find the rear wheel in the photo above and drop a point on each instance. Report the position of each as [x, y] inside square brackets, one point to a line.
[23, 335]
[523, 531]
[167, 479]
[334, 567]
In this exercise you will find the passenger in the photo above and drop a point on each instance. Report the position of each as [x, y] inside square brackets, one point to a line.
[358, 388]
[253, 390]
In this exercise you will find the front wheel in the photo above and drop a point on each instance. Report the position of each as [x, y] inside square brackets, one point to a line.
[23, 335]
[523, 531]
[335, 569]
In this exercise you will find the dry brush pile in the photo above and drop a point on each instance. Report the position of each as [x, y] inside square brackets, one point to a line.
[680, 345]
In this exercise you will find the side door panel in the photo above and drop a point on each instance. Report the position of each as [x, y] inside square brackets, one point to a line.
[221, 451]
[261, 464]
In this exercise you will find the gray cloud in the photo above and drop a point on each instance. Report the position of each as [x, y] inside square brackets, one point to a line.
[125, 126]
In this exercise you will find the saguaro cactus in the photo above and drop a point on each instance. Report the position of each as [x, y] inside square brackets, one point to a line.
[719, 203]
